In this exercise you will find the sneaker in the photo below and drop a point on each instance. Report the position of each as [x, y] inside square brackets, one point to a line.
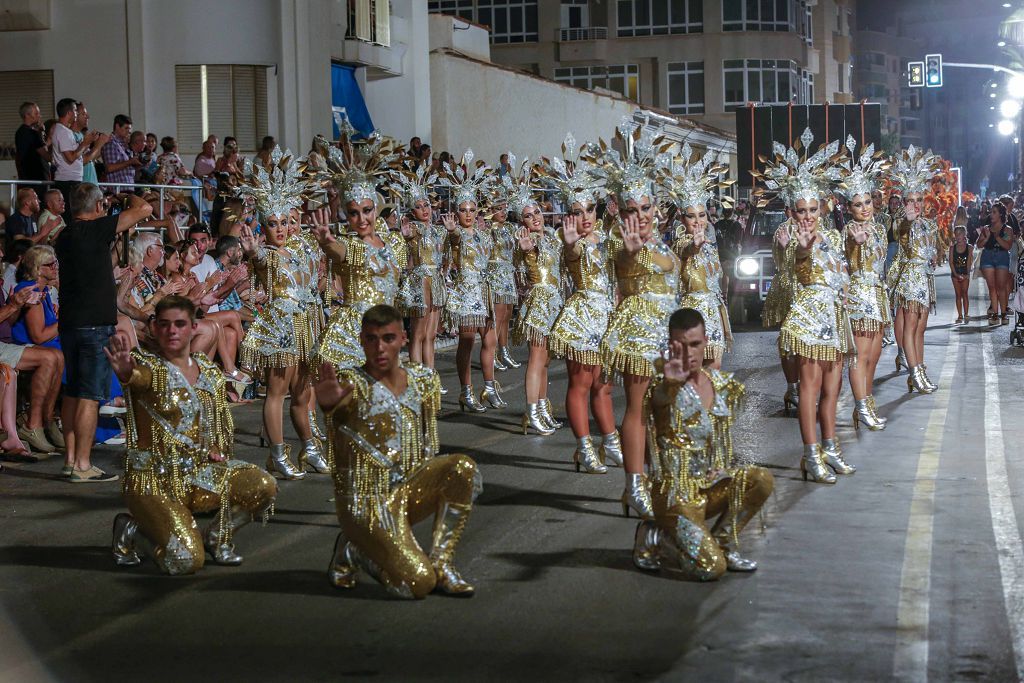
[36, 440]
[108, 410]
[67, 470]
[93, 475]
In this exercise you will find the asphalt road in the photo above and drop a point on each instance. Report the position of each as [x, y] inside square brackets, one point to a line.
[911, 569]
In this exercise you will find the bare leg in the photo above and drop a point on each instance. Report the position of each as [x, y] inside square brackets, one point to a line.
[302, 393]
[911, 321]
[580, 382]
[790, 368]
[874, 352]
[993, 289]
[860, 379]
[9, 414]
[488, 342]
[1003, 282]
[810, 391]
[897, 327]
[278, 380]
[536, 374]
[46, 366]
[85, 416]
[601, 402]
[502, 315]
[429, 335]
[831, 380]
[464, 355]
[634, 432]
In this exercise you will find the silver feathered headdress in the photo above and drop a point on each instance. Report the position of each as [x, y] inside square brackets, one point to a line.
[691, 180]
[914, 169]
[793, 178]
[515, 188]
[467, 184]
[861, 172]
[277, 188]
[356, 170]
[410, 186]
[634, 174]
[571, 175]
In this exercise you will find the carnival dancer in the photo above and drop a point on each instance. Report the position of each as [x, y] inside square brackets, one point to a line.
[816, 329]
[180, 435]
[539, 255]
[690, 411]
[647, 272]
[910, 279]
[779, 299]
[690, 185]
[468, 308]
[387, 473]
[501, 278]
[280, 340]
[578, 329]
[867, 301]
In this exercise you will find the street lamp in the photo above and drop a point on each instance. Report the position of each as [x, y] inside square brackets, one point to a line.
[1015, 87]
[1009, 108]
[1006, 127]
[1001, 43]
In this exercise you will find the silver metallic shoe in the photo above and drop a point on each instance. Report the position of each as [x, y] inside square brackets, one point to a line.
[901, 359]
[342, 570]
[916, 381]
[812, 465]
[586, 458]
[313, 457]
[791, 399]
[467, 401]
[545, 410]
[862, 413]
[314, 427]
[735, 562]
[498, 365]
[123, 545]
[924, 376]
[222, 552]
[448, 527]
[637, 496]
[611, 450]
[645, 546]
[833, 457]
[491, 394]
[873, 407]
[279, 462]
[507, 359]
[444, 392]
[533, 418]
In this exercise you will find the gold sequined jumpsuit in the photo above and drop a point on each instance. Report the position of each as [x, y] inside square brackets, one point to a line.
[387, 478]
[469, 303]
[543, 302]
[696, 479]
[700, 285]
[426, 257]
[866, 300]
[172, 429]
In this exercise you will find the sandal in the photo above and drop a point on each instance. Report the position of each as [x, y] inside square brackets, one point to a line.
[238, 377]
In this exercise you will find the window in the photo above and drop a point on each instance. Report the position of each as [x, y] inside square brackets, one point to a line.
[457, 8]
[686, 87]
[660, 17]
[767, 81]
[760, 15]
[369, 21]
[224, 99]
[17, 87]
[623, 78]
[510, 21]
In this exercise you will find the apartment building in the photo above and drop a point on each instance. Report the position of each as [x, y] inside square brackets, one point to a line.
[880, 75]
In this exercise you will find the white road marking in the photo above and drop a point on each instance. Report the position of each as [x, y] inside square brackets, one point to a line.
[910, 662]
[1004, 521]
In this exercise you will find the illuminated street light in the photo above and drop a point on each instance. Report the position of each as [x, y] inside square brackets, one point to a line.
[1001, 43]
[991, 125]
[992, 95]
[993, 85]
[1009, 108]
[1006, 127]
[1006, 5]
[1015, 87]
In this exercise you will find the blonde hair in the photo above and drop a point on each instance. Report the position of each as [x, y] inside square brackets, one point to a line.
[33, 260]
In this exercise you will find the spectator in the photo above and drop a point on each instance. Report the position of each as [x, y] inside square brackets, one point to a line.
[38, 323]
[229, 260]
[119, 161]
[54, 209]
[67, 150]
[148, 157]
[730, 232]
[22, 222]
[206, 161]
[31, 153]
[1011, 220]
[170, 169]
[200, 234]
[137, 146]
[95, 148]
[503, 166]
[263, 156]
[229, 163]
[89, 301]
[414, 146]
[12, 259]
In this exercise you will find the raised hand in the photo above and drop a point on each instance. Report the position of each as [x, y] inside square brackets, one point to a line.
[631, 240]
[673, 368]
[911, 211]
[448, 221]
[119, 353]
[858, 232]
[239, 274]
[805, 236]
[699, 237]
[321, 226]
[570, 233]
[782, 236]
[526, 242]
[248, 240]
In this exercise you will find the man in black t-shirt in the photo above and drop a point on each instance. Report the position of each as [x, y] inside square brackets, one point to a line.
[88, 314]
[31, 155]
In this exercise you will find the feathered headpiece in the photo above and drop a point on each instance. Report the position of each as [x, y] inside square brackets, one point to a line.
[410, 186]
[861, 173]
[793, 178]
[277, 188]
[572, 176]
[515, 188]
[356, 170]
[914, 169]
[466, 183]
[691, 180]
[633, 175]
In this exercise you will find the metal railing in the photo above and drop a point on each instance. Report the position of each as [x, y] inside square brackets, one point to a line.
[204, 203]
[585, 33]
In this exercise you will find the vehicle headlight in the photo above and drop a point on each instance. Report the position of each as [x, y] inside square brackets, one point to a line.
[748, 266]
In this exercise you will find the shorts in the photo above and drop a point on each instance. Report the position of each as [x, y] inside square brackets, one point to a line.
[86, 366]
[10, 354]
[995, 258]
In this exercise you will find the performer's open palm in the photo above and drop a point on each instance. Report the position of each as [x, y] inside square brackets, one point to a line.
[632, 241]
[674, 370]
[119, 353]
[570, 233]
[782, 236]
[448, 220]
[805, 236]
[526, 241]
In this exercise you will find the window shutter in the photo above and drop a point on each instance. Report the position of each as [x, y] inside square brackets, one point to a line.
[189, 107]
[244, 92]
[17, 87]
[260, 87]
[382, 17]
[219, 105]
[363, 20]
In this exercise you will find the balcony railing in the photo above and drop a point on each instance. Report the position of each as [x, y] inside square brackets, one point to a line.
[586, 33]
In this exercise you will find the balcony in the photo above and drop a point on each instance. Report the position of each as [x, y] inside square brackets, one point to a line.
[566, 35]
[587, 44]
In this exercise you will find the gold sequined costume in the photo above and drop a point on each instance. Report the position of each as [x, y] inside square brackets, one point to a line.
[910, 283]
[469, 303]
[426, 258]
[701, 287]
[578, 329]
[387, 477]
[866, 300]
[369, 276]
[697, 478]
[501, 272]
[817, 325]
[784, 284]
[543, 302]
[285, 331]
[172, 430]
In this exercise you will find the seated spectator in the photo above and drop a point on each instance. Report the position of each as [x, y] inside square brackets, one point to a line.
[22, 222]
[229, 260]
[229, 161]
[206, 160]
[12, 258]
[38, 323]
[170, 168]
[148, 157]
[263, 156]
[54, 209]
[120, 162]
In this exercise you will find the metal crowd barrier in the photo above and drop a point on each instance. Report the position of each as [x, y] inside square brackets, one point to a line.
[204, 203]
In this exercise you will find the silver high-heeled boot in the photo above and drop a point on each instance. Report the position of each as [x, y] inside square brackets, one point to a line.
[833, 457]
[123, 544]
[507, 359]
[637, 496]
[217, 541]
[813, 466]
[498, 365]
[916, 381]
[924, 376]
[342, 571]
[467, 401]
[586, 458]
[545, 410]
[448, 526]
[901, 359]
[611, 449]
[873, 407]
[862, 413]
[491, 394]
[314, 427]
[312, 456]
[645, 546]
[726, 530]
[792, 397]
[533, 418]
[280, 463]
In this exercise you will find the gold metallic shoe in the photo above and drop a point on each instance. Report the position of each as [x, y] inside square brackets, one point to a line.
[123, 544]
[637, 496]
[507, 358]
[791, 398]
[545, 410]
[341, 572]
[812, 465]
[862, 413]
[611, 450]
[833, 457]
[491, 394]
[467, 401]
[645, 546]
[533, 418]
[279, 462]
[448, 527]
[916, 382]
[586, 458]
[312, 457]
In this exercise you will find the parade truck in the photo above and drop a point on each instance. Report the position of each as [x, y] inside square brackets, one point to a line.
[751, 272]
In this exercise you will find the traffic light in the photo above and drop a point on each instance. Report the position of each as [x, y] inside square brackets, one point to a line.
[933, 71]
[915, 74]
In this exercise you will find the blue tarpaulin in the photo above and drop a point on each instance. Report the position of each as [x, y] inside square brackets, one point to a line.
[347, 100]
